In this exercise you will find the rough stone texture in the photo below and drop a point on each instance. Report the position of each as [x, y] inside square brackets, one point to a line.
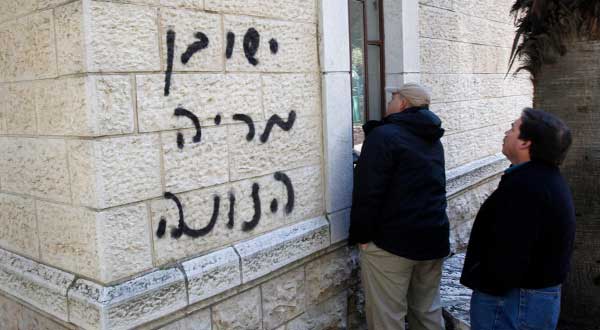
[283, 93]
[70, 39]
[278, 248]
[39, 285]
[469, 146]
[494, 10]
[185, 24]
[18, 105]
[105, 246]
[444, 56]
[455, 297]
[197, 165]
[297, 42]
[35, 167]
[205, 95]
[283, 298]
[122, 38]
[14, 316]
[466, 176]
[331, 314]
[198, 209]
[462, 210]
[212, 274]
[286, 9]
[115, 171]
[111, 104]
[197, 321]
[129, 304]
[241, 312]
[18, 225]
[300, 146]
[330, 274]
[308, 194]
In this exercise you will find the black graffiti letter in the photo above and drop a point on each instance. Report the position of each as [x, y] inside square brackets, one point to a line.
[170, 54]
[276, 120]
[274, 46]
[186, 113]
[249, 225]
[183, 228]
[246, 119]
[251, 44]
[289, 206]
[230, 43]
[195, 47]
[231, 210]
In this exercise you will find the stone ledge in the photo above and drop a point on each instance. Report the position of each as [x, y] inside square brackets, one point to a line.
[455, 297]
[41, 286]
[278, 248]
[468, 175]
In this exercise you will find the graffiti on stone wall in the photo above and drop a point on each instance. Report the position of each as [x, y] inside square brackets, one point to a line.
[251, 44]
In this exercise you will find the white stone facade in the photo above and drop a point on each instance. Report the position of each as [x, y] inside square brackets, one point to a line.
[169, 163]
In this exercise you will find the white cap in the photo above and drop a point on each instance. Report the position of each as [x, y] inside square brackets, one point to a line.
[416, 94]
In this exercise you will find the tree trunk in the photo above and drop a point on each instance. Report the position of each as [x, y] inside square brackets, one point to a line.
[571, 89]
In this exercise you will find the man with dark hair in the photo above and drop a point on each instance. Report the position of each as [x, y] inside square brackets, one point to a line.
[521, 243]
[399, 214]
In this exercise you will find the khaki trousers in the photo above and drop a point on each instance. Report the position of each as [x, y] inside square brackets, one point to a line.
[396, 287]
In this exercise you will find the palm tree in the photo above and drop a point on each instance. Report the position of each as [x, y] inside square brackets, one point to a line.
[558, 43]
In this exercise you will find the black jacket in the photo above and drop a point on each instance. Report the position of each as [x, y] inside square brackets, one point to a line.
[523, 234]
[399, 196]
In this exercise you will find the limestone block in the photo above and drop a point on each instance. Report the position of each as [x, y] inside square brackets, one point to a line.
[197, 321]
[205, 95]
[34, 283]
[468, 146]
[198, 209]
[278, 248]
[238, 312]
[7, 51]
[456, 298]
[129, 304]
[300, 146]
[212, 274]
[111, 105]
[331, 314]
[35, 49]
[186, 24]
[283, 93]
[308, 193]
[493, 10]
[469, 175]
[122, 38]
[115, 171]
[8, 310]
[42, 4]
[328, 275]
[18, 226]
[283, 298]
[35, 167]
[70, 39]
[443, 56]
[105, 246]
[446, 4]
[296, 50]
[30, 320]
[18, 105]
[334, 36]
[339, 225]
[196, 165]
[285, 9]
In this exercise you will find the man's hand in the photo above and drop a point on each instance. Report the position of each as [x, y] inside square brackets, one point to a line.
[363, 246]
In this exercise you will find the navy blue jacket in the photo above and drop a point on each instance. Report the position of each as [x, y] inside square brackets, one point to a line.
[399, 196]
[523, 234]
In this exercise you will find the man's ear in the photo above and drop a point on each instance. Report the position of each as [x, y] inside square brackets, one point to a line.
[525, 144]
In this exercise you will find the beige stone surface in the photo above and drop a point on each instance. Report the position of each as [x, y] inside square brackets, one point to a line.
[35, 167]
[308, 194]
[125, 170]
[18, 105]
[111, 104]
[14, 316]
[205, 95]
[62, 107]
[331, 314]
[18, 225]
[197, 165]
[197, 321]
[285, 9]
[70, 39]
[38, 285]
[300, 146]
[443, 56]
[328, 275]
[185, 24]
[462, 148]
[297, 51]
[283, 93]
[241, 312]
[283, 298]
[122, 38]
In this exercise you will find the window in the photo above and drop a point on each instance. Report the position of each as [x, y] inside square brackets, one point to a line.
[366, 56]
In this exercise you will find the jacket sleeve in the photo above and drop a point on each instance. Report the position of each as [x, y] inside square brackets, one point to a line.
[372, 177]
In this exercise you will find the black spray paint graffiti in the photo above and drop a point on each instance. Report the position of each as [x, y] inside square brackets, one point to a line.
[274, 120]
[251, 44]
[183, 229]
[186, 113]
[246, 119]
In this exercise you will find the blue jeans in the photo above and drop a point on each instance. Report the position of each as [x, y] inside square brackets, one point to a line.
[519, 309]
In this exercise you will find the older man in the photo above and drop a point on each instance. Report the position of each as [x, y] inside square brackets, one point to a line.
[522, 239]
[399, 214]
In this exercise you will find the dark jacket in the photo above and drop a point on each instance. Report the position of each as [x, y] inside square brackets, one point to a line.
[523, 234]
[399, 196]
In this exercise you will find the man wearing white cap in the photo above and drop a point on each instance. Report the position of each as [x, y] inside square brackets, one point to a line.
[398, 214]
